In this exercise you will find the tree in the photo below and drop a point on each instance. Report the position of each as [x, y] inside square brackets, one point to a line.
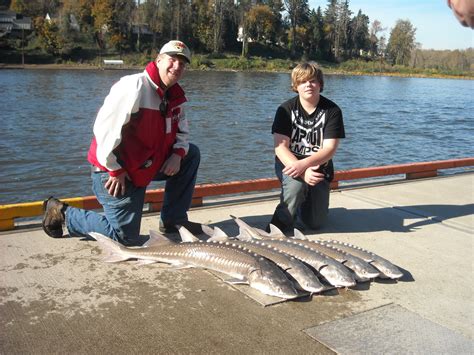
[316, 41]
[359, 34]
[35, 8]
[277, 34]
[244, 7]
[343, 15]
[376, 47]
[153, 16]
[401, 42]
[260, 23]
[220, 13]
[298, 15]
[330, 19]
[49, 35]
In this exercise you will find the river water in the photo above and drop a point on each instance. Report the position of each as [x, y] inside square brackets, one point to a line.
[47, 118]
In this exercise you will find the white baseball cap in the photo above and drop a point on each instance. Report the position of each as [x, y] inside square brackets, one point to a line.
[176, 48]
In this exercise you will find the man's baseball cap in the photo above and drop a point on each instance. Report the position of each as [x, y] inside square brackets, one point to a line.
[176, 48]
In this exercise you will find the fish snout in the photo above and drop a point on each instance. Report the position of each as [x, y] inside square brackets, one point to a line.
[338, 277]
[272, 281]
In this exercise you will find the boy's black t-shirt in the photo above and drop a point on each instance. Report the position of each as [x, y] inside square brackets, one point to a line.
[307, 132]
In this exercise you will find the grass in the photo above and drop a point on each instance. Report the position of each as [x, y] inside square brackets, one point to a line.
[91, 58]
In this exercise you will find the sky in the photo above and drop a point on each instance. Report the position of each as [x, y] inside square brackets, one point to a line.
[436, 26]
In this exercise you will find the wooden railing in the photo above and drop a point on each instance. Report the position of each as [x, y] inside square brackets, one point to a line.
[154, 198]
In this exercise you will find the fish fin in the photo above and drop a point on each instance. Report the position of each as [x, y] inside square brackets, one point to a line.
[219, 235]
[157, 239]
[262, 232]
[111, 248]
[244, 235]
[275, 231]
[146, 262]
[235, 281]
[254, 233]
[181, 266]
[299, 235]
[187, 236]
[207, 230]
[240, 222]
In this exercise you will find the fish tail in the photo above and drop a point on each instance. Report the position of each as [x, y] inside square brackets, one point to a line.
[112, 249]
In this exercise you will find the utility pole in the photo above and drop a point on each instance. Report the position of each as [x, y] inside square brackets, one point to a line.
[139, 24]
[22, 46]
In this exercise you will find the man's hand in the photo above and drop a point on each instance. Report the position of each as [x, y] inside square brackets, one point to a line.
[312, 176]
[116, 184]
[295, 168]
[172, 165]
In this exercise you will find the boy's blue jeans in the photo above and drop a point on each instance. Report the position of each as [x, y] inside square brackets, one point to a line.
[300, 202]
[122, 215]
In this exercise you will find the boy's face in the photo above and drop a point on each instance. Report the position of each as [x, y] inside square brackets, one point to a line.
[171, 68]
[309, 89]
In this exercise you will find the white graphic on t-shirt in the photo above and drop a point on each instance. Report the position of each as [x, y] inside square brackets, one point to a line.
[307, 133]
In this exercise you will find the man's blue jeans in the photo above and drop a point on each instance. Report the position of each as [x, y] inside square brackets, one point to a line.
[122, 215]
[300, 202]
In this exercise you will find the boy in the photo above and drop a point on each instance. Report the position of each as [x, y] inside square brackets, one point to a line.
[306, 132]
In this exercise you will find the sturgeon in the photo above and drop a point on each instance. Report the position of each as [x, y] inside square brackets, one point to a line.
[305, 278]
[237, 262]
[387, 269]
[362, 269]
[334, 272]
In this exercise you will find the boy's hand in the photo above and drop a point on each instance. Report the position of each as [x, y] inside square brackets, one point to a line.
[295, 169]
[312, 176]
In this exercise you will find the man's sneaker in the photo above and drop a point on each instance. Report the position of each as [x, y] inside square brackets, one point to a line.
[53, 218]
[193, 227]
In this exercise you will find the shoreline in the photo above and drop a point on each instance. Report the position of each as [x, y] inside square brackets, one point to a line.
[327, 71]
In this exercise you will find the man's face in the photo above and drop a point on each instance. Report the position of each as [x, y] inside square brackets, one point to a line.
[171, 68]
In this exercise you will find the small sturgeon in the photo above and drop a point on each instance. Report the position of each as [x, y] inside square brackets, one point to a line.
[237, 262]
[386, 268]
[334, 272]
[305, 278]
[362, 269]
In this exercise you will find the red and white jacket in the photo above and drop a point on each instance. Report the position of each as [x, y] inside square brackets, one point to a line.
[131, 135]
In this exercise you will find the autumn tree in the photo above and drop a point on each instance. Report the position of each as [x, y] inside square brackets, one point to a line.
[260, 23]
[376, 42]
[401, 42]
[277, 34]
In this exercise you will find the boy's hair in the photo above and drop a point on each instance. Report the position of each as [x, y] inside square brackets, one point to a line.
[304, 72]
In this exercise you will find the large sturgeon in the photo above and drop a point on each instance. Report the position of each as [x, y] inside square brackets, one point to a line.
[386, 268]
[362, 269]
[334, 272]
[237, 262]
[305, 278]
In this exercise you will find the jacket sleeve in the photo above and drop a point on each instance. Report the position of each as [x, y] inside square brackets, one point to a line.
[181, 145]
[122, 101]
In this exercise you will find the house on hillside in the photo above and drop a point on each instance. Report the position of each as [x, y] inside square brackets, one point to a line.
[14, 24]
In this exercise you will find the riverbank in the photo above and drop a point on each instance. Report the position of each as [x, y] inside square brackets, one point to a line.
[331, 70]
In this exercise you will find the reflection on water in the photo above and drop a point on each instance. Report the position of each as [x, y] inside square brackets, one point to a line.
[47, 119]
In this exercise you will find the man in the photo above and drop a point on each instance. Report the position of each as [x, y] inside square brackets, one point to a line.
[306, 132]
[464, 11]
[140, 135]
